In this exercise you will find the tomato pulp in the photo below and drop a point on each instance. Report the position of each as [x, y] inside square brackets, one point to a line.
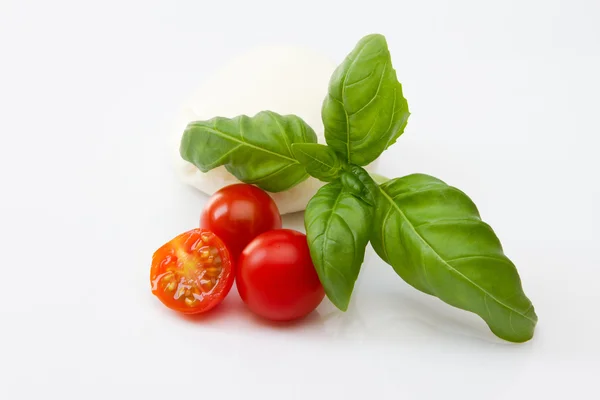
[192, 273]
[276, 277]
[238, 213]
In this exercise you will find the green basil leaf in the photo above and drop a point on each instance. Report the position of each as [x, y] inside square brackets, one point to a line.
[365, 111]
[352, 184]
[337, 229]
[434, 238]
[256, 150]
[358, 182]
[319, 161]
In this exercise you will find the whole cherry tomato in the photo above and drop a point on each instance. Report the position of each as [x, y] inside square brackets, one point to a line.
[276, 277]
[238, 213]
[192, 273]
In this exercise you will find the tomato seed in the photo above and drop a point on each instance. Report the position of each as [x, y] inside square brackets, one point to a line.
[206, 285]
[198, 243]
[190, 301]
[204, 251]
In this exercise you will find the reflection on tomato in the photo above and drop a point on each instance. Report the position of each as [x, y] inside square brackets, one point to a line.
[192, 273]
[276, 277]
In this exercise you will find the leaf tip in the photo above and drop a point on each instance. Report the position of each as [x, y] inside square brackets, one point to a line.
[378, 37]
[341, 305]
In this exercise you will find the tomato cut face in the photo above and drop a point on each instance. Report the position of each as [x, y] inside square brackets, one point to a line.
[192, 273]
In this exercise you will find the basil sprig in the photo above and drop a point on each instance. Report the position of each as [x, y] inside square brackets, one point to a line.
[429, 232]
[255, 150]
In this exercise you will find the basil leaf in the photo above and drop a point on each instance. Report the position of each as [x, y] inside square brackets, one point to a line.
[255, 150]
[434, 238]
[365, 111]
[319, 161]
[358, 182]
[337, 229]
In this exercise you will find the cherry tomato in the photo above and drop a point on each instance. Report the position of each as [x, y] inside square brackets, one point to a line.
[192, 273]
[238, 213]
[276, 277]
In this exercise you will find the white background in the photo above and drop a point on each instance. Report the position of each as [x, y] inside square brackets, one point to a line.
[505, 105]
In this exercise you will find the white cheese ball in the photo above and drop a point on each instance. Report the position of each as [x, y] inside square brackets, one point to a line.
[286, 80]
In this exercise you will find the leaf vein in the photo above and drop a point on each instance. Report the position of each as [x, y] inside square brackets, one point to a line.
[270, 175]
[328, 225]
[285, 138]
[376, 93]
[315, 159]
[383, 226]
[455, 221]
[474, 257]
[218, 160]
[361, 79]
[245, 143]
[428, 188]
[354, 246]
[450, 267]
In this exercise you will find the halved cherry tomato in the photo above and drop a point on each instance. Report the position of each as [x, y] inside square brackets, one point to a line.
[192, 273]
[276, 277]
[238, 213]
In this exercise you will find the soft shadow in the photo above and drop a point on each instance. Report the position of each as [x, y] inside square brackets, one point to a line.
[310, 321]
[439, 319]
[294, 221]
[233, 311]
[392, 317]
[231, 308]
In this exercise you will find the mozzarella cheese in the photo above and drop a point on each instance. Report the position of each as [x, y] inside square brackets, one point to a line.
[284, 79]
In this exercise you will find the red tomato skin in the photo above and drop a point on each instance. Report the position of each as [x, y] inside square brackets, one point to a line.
[238, 213]
[276, 278]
